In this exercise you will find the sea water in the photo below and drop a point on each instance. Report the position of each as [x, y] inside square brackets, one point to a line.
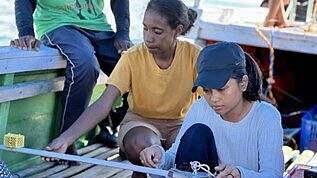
[7, 22]
[8, 29]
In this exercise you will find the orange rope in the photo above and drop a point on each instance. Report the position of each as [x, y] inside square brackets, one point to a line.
[270, 79]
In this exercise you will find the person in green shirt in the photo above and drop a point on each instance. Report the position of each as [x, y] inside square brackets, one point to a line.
[80, 31]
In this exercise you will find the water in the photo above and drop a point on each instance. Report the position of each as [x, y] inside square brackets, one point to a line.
[7, 22]
[8, 29]
[234, 3]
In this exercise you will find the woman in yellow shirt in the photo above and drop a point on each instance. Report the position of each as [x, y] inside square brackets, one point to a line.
[158, 74]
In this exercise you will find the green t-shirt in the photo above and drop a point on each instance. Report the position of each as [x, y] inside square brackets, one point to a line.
[51, 14]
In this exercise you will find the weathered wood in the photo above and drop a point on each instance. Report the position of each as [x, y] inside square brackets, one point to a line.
[51, 171]
[122, 174]
[29, 89]
[89, 148]
[243, 31]
[102, 170]
[83, 170]
[4, 107]
[35, 169]
[45, 165]
[84, 166]
[60, 168]
[13, 60]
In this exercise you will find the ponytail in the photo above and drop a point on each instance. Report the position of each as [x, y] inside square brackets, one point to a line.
[254, 89]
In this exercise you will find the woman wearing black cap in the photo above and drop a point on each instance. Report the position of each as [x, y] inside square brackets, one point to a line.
[230, 129]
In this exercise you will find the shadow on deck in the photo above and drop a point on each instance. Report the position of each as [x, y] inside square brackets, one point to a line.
[51, 170]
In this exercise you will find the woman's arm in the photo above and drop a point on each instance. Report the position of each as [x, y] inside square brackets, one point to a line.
[270, 143]
[87, 120]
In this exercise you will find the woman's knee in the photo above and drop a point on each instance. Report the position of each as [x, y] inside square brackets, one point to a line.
[136, 140]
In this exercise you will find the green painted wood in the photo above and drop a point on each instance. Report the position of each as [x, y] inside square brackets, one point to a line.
[29, 89]
[37, 118]
[4, 107]
[33, 106]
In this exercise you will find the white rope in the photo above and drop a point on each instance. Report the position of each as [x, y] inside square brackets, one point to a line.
[196, 166]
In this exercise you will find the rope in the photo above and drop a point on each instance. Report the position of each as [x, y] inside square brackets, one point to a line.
[196, 166]
[270, 80]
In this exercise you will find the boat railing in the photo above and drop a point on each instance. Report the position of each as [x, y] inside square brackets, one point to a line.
[30, 85]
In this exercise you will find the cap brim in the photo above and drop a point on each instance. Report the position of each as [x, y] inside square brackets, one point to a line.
[213, 79]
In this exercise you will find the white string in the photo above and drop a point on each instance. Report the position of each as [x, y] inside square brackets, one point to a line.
[196, 166]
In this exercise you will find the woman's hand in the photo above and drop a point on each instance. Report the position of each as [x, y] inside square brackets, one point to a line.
[227, 171]
[58, 145]
[150, 156]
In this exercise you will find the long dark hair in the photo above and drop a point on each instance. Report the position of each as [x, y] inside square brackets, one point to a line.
[254, 88]
[175, 12]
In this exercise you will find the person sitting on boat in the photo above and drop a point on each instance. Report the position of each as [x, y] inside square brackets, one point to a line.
[230, 128]
[158, 74]
[276, 15]
[80, 31]
[301, 8]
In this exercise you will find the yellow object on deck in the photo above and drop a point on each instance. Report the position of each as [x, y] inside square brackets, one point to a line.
[13, 140]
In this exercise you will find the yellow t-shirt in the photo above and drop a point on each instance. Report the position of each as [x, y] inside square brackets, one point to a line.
[153, 92]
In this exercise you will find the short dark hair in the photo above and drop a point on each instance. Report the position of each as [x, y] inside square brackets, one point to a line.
[175, 11]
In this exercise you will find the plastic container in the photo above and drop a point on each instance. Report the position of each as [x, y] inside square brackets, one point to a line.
[308, 139]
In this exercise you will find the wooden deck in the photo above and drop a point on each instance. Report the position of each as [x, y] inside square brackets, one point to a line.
[50, 170]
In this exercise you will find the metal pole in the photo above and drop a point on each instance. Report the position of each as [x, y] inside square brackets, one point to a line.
[131, 167]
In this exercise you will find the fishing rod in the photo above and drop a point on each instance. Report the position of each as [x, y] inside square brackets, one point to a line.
[173, 173]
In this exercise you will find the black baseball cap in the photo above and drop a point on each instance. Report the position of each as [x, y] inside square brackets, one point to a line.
[216, 63]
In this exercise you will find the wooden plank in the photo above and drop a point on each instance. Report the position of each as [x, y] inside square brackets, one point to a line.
[13, 60]
[246, 34]
[103, 171]
[35, 169]
[51, 171]
[122, 174]
[89, 148]
[60, 168]
[77, 169]
[243, 32]
[34, 88]
[45, 165]
[29, 89]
